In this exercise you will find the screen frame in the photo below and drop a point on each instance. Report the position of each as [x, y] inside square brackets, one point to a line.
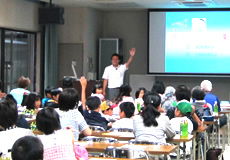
[174, 73]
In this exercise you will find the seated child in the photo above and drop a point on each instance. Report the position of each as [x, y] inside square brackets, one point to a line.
[198, 96]
[183, 109]
[58, 144]
[27, 148]
[53, 102]
[97, 91]
[107, 111]
[126, 112]
[48, 95]
[92, 116]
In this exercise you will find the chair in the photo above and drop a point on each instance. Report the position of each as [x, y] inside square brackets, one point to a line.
[99, 139]
[96, 128]
[121, 130]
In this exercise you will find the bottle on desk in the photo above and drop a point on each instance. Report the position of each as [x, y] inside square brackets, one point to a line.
[184, 129]
[216, 111]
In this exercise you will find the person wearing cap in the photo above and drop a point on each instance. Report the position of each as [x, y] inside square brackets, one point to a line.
[183, 109]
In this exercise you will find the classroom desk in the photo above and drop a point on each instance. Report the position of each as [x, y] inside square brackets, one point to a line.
[227, 113]
[214, 124]
[103, 158]
[177, 139]
[151, 149]
[122, 136]
[202, 129]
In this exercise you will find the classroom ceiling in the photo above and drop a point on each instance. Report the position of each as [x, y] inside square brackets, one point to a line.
[142, 4]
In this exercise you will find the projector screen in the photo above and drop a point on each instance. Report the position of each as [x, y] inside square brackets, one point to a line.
[189, 42]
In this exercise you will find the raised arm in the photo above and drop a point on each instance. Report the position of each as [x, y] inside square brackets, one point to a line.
[132, 53]
[105, 82]
[83, 82]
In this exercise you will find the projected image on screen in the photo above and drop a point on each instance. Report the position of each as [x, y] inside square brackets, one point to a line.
[194, 42]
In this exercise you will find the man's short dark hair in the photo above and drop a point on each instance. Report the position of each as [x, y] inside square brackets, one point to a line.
[93, 102]
[115, 54]
[198, 93]
[47, 120]
[183, 92]
[68, 99]
[128, 108]
[27, 148]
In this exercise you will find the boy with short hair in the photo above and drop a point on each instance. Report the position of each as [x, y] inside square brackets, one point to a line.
[126, 112]
[48, 94]
[53, 102]
[27, 148]
[92, 116]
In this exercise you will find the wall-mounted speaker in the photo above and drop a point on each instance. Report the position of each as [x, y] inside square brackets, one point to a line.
[52, 15]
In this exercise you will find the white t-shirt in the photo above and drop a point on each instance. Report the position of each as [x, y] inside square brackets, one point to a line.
[175, 123]
[114, 75]
[123, 123]
[9, 137]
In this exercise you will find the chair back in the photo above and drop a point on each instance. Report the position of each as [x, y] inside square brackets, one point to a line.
[96, 128]
[99, 139]
[121, 130]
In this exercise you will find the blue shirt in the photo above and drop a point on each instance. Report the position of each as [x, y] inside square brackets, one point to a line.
[44, 100]
[211, 98]
[18, 94]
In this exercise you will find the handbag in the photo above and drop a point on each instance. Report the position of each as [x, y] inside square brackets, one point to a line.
[212, 154]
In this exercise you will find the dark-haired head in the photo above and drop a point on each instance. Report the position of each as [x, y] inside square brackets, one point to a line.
[97, 86]
[183, 92]
[8, 113]
[128, 108]
[67, 82]
[47, 120]
[158, 87]
[27, 148]
[31, 99]
[137, 94]
[115, 54]
[151, 102]
[68, 99]
[198, 93]
[23, 82]
[55, 93]
[48, 91]
[124, 90]
[93, 103]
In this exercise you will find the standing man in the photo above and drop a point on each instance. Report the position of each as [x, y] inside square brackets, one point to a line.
[114, 75]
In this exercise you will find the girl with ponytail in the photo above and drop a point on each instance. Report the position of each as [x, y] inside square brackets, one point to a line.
[151, 125]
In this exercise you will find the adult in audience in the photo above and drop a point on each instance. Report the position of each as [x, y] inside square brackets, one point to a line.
[151, 125]
[114, 75]
[23, 84]
[210, 98]
[27, 148]
[10, 133]
[69, 114]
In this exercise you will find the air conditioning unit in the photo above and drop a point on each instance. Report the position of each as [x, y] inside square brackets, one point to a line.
[195, 3]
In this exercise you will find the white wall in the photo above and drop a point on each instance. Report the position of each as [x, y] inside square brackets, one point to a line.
[18, 14]
[82, 25]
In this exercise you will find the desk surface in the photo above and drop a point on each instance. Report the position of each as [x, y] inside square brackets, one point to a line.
[209, 122]
[151, 149]
[100, 158]
[117, 135]
[177, 138]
